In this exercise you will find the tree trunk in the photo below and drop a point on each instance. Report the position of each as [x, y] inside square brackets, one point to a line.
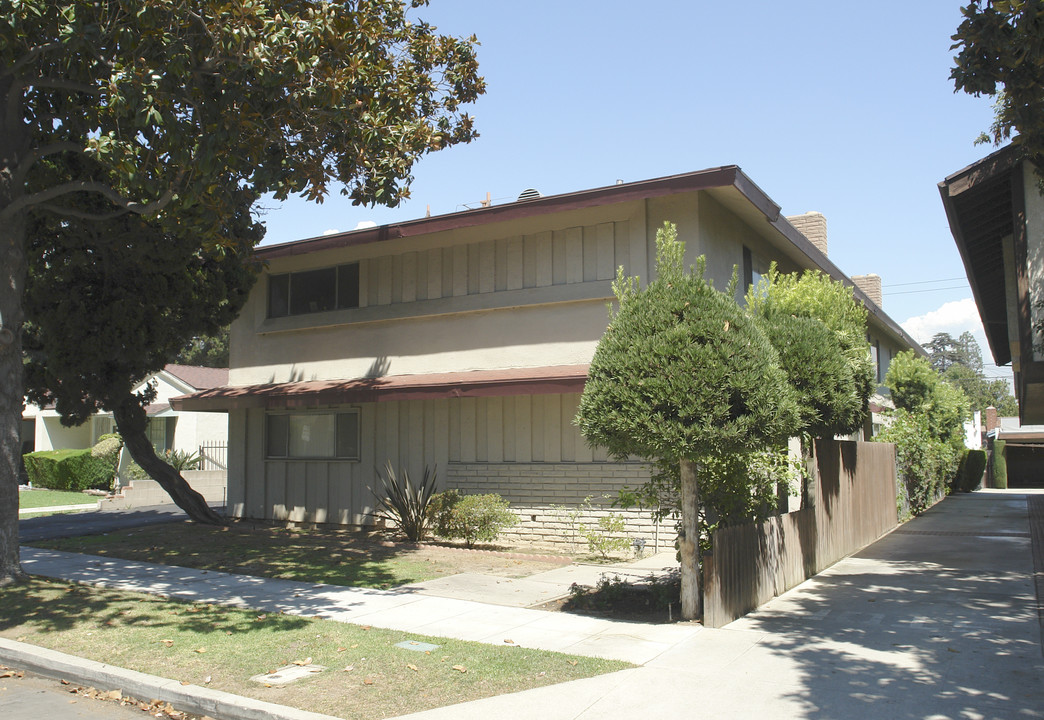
[130, 421]
[12, 282]
[689, 540]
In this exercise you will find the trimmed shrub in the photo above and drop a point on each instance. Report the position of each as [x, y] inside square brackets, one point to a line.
[1000, 465]
[973, 468]
[470, 518]
[69, 470]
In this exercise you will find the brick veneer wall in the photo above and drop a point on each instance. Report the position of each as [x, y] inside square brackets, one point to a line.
[545, 495]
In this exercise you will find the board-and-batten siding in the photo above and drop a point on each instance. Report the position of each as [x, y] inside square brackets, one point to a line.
[559, 257]
[522, 429]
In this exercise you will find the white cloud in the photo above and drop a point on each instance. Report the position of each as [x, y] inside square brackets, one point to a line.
[953, 318]
[331, 231]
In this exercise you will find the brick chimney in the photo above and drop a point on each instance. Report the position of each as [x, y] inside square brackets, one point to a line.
[991, 418]
[813, 226]
[871, 285]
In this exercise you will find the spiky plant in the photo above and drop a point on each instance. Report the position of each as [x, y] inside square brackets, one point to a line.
[404, 503]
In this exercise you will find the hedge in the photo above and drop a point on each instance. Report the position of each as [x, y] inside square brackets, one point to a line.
[68, 470]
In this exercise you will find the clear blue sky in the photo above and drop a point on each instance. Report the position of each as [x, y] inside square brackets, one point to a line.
[843, 108]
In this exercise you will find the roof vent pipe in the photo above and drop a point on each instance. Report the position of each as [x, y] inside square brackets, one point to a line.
[529, 194]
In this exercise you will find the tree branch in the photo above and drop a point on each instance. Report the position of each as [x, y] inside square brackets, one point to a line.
[31, 55]
[54, 84]
[43, 197]
[22, 171]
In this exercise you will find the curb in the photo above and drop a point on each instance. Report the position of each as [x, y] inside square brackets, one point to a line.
[141, 686]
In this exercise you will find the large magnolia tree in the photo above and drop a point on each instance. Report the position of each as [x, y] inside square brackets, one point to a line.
[683, 375]
[172, 109]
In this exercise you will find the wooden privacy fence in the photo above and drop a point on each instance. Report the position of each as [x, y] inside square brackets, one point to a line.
[852, 503]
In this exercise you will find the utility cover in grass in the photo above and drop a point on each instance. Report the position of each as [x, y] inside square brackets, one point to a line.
[287, 674]
[416, 645]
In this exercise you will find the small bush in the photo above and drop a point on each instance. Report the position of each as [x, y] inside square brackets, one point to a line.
[73, 470]
[405, 505]
[607, 536]
[470, 518]
[181, 460]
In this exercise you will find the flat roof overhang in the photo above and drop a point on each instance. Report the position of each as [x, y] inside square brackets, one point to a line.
[985, 203]
[438, 386]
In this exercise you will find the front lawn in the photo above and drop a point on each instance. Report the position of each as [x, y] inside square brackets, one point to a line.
[367, 676]
[38, 498]
[335, 557]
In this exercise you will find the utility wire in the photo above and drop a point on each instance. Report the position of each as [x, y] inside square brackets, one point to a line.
[911, 292]
[924, 282]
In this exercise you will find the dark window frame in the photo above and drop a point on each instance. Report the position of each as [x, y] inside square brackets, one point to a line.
[285, 443]
[282, 302]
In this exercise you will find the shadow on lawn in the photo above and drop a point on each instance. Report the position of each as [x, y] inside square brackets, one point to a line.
[46, 606]
[357, 559]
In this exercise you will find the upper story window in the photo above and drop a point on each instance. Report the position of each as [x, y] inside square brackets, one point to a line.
[754, 268]
[311, 291]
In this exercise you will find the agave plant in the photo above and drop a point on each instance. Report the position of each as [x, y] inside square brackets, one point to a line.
[404, 503]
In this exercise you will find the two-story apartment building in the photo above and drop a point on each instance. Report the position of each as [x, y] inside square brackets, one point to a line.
[463, 341]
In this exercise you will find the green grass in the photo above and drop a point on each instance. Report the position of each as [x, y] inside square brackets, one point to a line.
[335, 557]
[366, 676]
[42, 498]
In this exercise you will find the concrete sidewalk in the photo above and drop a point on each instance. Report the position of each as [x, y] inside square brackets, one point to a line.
[939, 619]
[439, 611]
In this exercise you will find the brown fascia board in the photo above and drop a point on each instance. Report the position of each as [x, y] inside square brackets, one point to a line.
[725, 177]
[702, 180]
[986, 170]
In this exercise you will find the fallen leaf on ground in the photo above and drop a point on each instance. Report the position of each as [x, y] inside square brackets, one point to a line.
[460, 668]
[168, 643]
[412, 667]
[509, 641]
[572, 662]
[341, 649]
[306, 661]
[206, 680]
[114, 695]
[365, 627]
[367, 681]
[201, 650]
[349, 668]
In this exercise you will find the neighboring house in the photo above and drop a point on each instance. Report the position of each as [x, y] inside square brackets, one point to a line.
[996, 215]
[168, 429]
[1022, 451]
[463, 341]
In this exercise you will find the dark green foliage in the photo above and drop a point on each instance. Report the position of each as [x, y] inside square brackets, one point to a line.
[132, 294]
[1001, 53]
[811, 354]
[924, 465]
[682, 371]
[471, 518]
[1000, 465]
[69, 470]
[405, 504]
[840, 398]
[205, 351]
[972, 468]
[734, 489]
[927, 429]
[911, 380]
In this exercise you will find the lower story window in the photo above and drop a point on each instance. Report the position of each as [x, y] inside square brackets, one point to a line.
[333, 435]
